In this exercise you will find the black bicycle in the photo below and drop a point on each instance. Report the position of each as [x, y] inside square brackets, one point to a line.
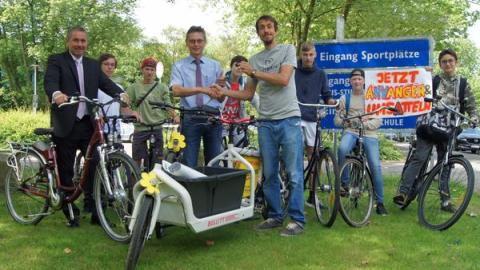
[356, 199]
[444, 191]
[322, 174]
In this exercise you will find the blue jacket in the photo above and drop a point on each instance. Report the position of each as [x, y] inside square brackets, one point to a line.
[312, 85]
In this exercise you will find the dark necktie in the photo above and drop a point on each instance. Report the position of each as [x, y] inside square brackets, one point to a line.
[198, 82]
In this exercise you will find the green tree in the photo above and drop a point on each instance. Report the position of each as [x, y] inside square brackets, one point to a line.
[302, 20]
[30, 30]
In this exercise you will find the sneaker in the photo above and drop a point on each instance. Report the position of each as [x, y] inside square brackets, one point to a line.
[448, 207]
[269, 223]
[381, 209]
[292, 229]
[400, 199]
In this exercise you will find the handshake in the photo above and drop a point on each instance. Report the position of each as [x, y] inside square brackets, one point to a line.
[215, 91]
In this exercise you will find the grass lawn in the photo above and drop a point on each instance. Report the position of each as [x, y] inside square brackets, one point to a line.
[393, 242]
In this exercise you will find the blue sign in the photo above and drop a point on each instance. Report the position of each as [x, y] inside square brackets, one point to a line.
[373, 54]
[369, 54]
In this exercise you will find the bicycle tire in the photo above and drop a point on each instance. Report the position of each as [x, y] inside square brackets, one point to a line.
[326, 186]
[114, 211]
[430, 213]
[25, 207]
[171, 157]
[359, 183]
[139, 233]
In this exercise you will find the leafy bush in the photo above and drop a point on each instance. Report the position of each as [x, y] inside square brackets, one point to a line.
[18, 125]
[388, 151]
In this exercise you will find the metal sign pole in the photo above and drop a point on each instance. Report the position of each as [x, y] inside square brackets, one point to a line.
[340, 36]
[34, 83]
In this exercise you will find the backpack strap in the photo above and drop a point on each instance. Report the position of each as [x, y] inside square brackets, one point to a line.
[435, 84]
[347, 104]
[461, 94]
[146, 95]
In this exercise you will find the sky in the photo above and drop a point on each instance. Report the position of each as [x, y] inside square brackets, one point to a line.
[156, 15]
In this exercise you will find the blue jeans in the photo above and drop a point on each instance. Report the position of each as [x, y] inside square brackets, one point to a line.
[372, 151]
[282, 137]
[196, 129]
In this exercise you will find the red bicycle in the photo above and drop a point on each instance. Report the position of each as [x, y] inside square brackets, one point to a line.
[33, 185]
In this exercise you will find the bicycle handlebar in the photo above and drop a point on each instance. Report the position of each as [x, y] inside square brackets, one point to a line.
[241, 121]
[76, 99]
[319, 105]
[198, 112]
[392, 109]
[438, 99]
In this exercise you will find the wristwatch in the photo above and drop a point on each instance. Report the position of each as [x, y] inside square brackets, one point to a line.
[254, 71]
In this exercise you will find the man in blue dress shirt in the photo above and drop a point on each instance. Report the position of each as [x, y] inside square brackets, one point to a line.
[192, 78]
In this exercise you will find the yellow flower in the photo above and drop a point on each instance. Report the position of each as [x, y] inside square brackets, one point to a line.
[150, 183]
[176, 142]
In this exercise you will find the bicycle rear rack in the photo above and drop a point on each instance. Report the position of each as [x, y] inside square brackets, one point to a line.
[14, 159]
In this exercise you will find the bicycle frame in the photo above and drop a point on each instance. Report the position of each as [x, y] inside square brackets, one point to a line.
[361, 133]
[318, 144]
[97, 143]
[451, 141]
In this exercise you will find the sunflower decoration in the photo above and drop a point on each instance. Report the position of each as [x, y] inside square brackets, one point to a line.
[150, 183]
[176, 142]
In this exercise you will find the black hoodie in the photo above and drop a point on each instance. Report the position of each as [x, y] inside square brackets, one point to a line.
[312, 85]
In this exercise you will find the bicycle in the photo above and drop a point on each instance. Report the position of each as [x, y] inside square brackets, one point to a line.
[356, 201]
[32, 183]
[200, 204]
[322, 173]
[447, 188]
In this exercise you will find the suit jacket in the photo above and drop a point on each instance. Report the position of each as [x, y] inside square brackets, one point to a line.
[61, 75]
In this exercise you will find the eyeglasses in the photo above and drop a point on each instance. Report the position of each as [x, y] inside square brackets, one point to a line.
[447, 61]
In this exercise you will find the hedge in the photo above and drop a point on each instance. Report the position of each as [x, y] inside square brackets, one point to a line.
[18, 125]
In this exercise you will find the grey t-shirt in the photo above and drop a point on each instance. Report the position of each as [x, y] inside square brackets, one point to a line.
[276, 102]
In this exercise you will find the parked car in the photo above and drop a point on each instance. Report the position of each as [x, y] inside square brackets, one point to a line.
[126, 131]
[469, 140]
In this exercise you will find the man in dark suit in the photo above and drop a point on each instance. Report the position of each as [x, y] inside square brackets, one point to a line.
[71, 73]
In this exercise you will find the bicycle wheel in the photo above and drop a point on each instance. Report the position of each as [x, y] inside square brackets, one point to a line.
[356, 203]
[326, 186]
[140, 232]
[171, 157]
[24, 196]
[115, 209]
[441, 204]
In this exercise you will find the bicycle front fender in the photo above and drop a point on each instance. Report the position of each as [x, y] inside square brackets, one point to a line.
[155, 211]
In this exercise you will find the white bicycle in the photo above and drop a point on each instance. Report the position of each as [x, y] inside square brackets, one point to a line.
[199, 203]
